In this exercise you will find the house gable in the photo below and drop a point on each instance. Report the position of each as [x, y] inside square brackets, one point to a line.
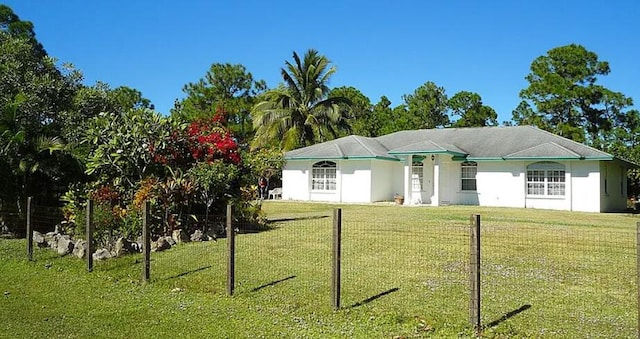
[548, 150]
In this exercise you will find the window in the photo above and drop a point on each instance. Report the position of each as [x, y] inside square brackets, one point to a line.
[323, 176]
[469, 169]
[546, 179]
[417, 175]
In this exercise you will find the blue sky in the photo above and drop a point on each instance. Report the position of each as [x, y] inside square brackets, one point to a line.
[380, 47]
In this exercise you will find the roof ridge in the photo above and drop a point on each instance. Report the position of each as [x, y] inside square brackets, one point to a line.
[545, 144]
[565, 139]
[335, 144]
[357, 138]
[436, 144]
[564, 148]
[424, 142]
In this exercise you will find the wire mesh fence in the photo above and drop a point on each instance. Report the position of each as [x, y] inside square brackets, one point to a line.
[45, 219]
[560, 278]
[413, 268]
[554, 280]
[292, 254]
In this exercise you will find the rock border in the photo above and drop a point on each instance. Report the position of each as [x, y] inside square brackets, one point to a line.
[65, 245]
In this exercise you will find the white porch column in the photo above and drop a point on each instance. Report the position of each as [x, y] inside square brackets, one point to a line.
[435, 199]
[407, 180]
[568, 182]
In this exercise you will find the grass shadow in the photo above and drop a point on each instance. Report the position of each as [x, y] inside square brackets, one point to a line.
[117, 263]
[283, 219]
[272, 283]
[508, 315]
[188, 272]
[377, 296]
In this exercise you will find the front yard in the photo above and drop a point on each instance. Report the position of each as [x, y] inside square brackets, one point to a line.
[405, 274]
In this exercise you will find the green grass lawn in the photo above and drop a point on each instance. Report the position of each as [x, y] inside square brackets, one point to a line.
[404, 269]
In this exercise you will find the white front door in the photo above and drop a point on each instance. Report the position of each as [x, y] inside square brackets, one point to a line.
[417, 183]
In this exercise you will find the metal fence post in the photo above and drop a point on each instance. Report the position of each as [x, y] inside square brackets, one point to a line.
[335, 267]
[638, 271]
[474, 272]
[89, 230]
[231, 251]
[146, 243]
[29, 231]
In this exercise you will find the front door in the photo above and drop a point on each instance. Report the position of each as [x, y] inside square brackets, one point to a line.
[417, 182]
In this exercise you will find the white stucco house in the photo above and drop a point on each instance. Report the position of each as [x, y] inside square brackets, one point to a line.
[519, 166]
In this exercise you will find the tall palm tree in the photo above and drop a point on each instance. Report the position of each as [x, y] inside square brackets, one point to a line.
[299, 112]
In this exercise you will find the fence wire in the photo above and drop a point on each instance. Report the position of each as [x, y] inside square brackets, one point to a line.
[560, 280]
[554, 280]
[409, 268]
[292, 254]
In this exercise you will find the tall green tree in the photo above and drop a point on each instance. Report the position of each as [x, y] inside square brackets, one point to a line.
[357, 111]
[11, 24]
[377, 121]
[624, 142]
[427, 107]
[33, 92]
[381, 113]
[300, 111]
[471, 111]
[523, 114]
[566, 97]
[381, 118]
[227, 87]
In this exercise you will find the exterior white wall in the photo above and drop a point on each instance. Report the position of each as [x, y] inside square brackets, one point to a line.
[296, 178]
[499, 183]
[585, 186]
[613, 186]
[355, 176]
[386, 179]
[355, 181]
[503, 184]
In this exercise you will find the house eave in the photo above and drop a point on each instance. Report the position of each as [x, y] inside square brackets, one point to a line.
[544, 158]
[428, 153]
[481, 159]
[477, 159]
[343, 158]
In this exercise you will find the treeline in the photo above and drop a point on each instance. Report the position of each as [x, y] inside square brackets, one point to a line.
[62, 139]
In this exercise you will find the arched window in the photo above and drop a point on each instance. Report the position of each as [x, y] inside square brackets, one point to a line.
[323, 176]
[468, 171]
[546, 178]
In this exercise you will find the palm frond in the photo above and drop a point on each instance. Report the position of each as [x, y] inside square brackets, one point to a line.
[51, 144]
[27, 165]
[298, 113]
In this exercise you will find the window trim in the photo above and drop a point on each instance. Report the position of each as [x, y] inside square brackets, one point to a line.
[549, 177]
[417, 165]
[319, 177]
[468, 165]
